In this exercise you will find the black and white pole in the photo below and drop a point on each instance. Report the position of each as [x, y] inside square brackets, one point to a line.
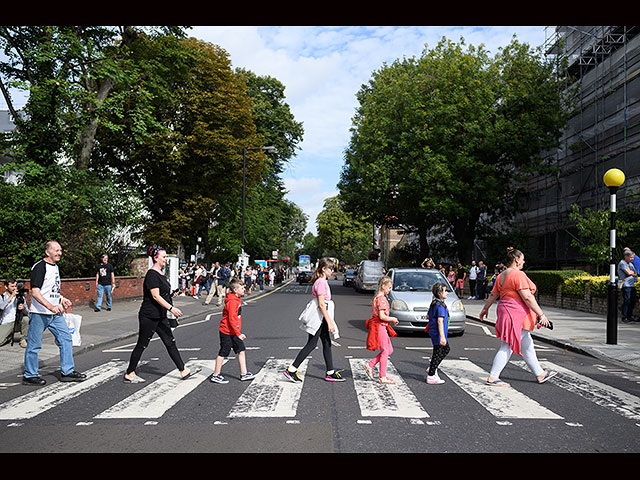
[613, 179]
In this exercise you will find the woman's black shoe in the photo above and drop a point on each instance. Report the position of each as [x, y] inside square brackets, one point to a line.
[33, 381]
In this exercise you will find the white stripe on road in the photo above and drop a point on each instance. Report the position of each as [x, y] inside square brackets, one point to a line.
[155, 399]
[377, 400]
[502, 402]
[45, 398]
[270, 393]
[599, 393]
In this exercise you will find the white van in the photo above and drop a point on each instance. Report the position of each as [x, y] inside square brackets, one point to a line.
[369, 273]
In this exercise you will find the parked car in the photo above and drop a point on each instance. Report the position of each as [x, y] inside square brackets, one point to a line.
[369, 272]
[411, 296]
[303, 276]
[347, 278]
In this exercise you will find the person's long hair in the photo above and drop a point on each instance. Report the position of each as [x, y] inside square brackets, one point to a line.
[437, 290]
[323, 262]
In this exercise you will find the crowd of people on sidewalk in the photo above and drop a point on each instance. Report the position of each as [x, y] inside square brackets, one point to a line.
[196, 277]
[477, 275]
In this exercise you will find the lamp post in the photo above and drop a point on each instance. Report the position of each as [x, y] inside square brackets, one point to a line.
[613, 178]
[244, 191]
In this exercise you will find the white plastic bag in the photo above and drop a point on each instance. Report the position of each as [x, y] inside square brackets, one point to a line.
[73, 322]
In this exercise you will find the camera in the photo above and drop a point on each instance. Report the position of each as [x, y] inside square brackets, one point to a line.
[21, 291]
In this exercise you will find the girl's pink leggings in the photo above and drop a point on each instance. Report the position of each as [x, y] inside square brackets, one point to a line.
[385, 350]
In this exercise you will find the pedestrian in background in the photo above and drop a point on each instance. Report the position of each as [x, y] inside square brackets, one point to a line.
[105, 282]
[461, 276]
[13, 308]
[231, 336]
[152, 317]
[629, 275]
[517, 313]
[380, 331]
[438, 316]
[47, 309]
[321, 291]
[473, 275]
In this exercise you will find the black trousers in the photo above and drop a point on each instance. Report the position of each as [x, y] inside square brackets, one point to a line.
[439, 353]
[325, 337]
[149, 326]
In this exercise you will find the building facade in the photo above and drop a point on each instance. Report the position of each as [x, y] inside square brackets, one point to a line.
[603, 132]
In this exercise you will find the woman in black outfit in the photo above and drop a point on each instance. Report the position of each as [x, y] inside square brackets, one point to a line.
[153, 317]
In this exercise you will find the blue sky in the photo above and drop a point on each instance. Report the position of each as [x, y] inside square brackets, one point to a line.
[322, 69]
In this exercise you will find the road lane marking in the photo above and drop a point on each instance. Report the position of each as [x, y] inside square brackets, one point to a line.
[502, 402]
[599, 393]
[159, 396]
[270, 394]
[45, 398]
[377, 400]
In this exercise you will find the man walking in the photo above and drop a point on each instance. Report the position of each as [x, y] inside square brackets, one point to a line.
[47, 309]
[629, 276]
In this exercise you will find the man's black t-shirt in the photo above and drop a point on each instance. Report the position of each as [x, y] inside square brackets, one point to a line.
[150, 308]
[104, 273]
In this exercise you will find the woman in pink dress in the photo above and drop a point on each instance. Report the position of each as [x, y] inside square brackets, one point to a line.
[517, 313]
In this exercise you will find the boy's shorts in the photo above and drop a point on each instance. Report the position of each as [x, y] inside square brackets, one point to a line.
[227, 342]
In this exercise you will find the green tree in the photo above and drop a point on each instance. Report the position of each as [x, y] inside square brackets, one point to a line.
[342, 234]
[440, 141]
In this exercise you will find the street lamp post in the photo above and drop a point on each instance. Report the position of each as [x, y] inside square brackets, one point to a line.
[613, 179]
[244, 190]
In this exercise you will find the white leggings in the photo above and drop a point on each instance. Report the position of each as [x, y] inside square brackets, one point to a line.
[526, 350]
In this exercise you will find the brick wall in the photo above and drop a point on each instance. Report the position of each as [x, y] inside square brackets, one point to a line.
[82, 291]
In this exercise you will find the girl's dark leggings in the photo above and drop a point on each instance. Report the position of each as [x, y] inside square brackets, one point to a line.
[149, 326]
[325, 337]
[439, 352]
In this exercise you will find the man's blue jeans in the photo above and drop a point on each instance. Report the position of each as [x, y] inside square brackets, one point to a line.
[55, 323]
[628, 302]
[106, 290]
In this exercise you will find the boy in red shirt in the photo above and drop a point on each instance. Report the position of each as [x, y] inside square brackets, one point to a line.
[230, 333]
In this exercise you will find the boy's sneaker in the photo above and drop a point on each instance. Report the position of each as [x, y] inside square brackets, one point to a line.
[248, 376]
[292, 376]
[218, 379]
[335, 377]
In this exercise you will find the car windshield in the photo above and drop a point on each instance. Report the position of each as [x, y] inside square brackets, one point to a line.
[417, 281]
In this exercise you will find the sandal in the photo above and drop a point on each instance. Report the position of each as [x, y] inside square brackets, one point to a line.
[387, 381]
[369, 370]
[548, 375]
[498, 383]
[135, 379]
[191, 372]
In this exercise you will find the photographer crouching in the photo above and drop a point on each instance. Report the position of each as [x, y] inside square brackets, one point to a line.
[13, 313]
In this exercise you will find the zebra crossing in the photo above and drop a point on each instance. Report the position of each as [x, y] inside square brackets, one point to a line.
[271, 395]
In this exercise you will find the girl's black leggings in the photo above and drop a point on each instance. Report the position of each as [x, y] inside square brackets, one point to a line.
[149, 326]
[325, 337]
[439, 352]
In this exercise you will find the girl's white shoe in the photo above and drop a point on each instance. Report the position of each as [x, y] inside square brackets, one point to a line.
[434, 380]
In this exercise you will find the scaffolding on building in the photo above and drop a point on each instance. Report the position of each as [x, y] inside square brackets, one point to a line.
[603, 66]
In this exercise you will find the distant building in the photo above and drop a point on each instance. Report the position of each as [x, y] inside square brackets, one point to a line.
[602, 133]
[6, 126]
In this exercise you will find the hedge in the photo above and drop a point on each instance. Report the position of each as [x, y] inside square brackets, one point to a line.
[547, 281]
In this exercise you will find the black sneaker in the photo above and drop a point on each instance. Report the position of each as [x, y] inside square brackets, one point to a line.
[292, 376]
[38, 381]
[73, 377]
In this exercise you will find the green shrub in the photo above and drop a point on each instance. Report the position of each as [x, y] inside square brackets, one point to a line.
[547, 281]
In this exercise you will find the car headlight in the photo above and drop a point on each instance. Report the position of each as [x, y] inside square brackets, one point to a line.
[457, 306]
[399, 305]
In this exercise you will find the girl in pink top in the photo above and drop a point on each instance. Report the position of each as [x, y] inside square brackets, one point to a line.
[322, 292]
[517, 313]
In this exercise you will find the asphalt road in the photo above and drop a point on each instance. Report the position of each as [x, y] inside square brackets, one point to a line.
[575, 412]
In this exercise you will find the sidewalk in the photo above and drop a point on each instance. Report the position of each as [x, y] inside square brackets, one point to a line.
[578, 331]
[101, 328]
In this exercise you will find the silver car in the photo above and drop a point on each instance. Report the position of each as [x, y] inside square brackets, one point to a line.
[411, 296]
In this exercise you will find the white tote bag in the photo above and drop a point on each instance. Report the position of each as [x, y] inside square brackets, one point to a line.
[73, 322]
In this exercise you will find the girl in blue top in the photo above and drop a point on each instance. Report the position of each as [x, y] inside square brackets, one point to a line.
[438, 326]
